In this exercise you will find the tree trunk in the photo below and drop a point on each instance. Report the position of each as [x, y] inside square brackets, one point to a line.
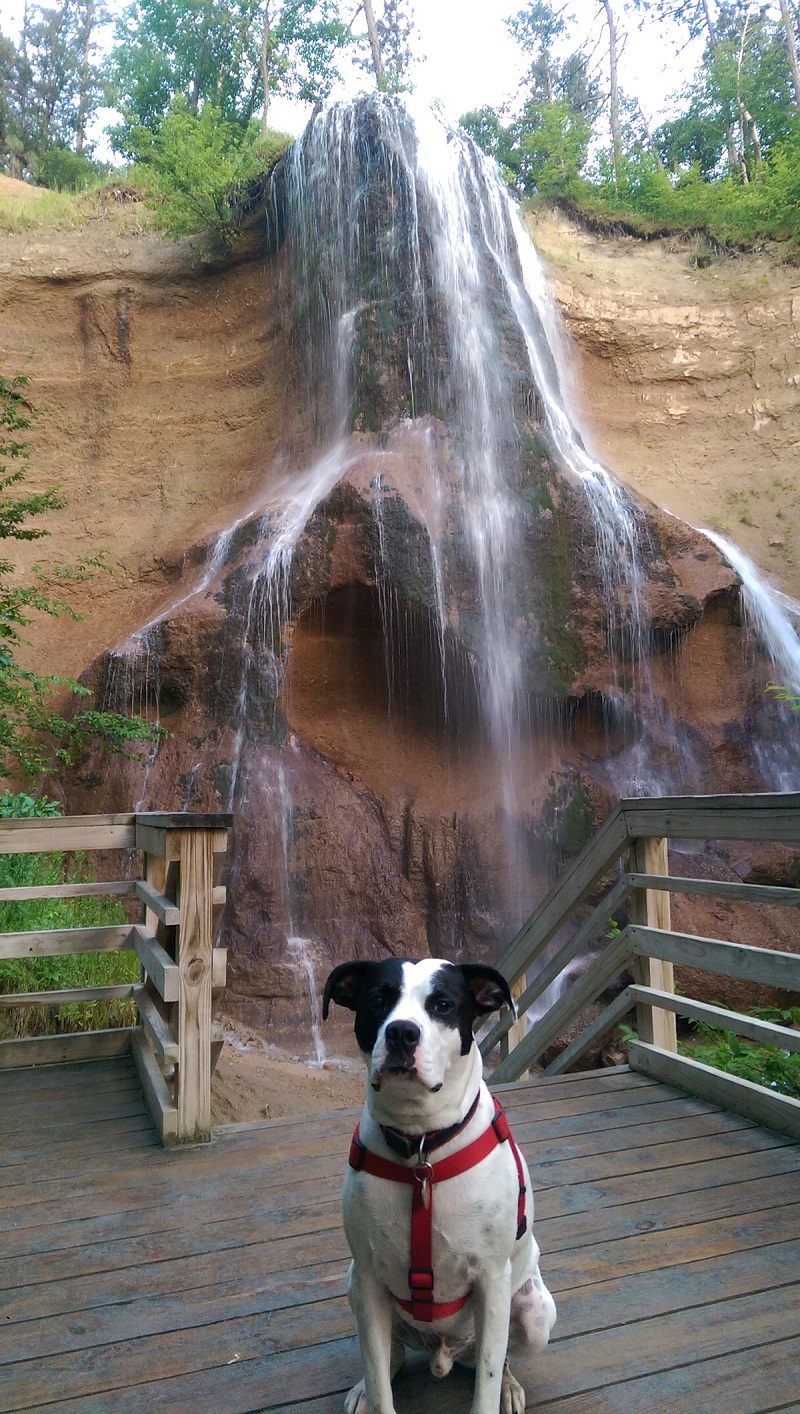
[712, 34]
[265, 38]
[613, 61]
[730, 139]
[791, 45]
[83, 96]
[375, 45]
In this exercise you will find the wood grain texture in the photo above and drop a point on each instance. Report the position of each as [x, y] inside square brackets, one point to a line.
[141, 1279]
[60, 942]
[714, 888]
[651, 908]
[766, 1032]
[67, 832]
[756, 1102]
[195, 961]
[772, 968]
[158, 964]
[49, 1050]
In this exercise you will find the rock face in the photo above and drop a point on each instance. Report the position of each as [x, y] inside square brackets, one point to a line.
[422, 666]
[688, 369]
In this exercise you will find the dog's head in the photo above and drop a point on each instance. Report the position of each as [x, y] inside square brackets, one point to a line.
[414, 1020]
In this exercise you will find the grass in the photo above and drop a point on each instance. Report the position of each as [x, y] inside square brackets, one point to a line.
[32, 209]
[60, 973]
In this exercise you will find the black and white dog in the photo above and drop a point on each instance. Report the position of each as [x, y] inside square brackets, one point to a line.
[438, 1208]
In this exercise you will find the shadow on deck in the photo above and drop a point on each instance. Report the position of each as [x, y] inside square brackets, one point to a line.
[134, 1278]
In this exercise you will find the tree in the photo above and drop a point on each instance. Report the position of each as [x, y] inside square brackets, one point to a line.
[89, 16]
[34, 736]
[374, 44]
[741, 99]
[233, 54]
[50, 83]
[300, 45]
[389, 35]
[545, 147]
[788, 22]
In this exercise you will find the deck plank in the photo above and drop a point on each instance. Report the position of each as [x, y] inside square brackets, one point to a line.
[132, 1279]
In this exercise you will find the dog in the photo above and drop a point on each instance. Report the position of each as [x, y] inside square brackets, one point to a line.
[437, 1201]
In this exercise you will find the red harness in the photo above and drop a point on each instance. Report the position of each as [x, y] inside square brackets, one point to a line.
[423, 1176]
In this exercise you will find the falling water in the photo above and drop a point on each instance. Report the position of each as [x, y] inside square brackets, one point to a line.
[399, 243]
[769, 613]
[775, 620]
[300, 948]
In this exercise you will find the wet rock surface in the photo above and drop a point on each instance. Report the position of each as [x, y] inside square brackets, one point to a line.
[336, 695]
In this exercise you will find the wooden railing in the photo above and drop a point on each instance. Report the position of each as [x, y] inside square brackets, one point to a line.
[176, 1044]
[640, 830]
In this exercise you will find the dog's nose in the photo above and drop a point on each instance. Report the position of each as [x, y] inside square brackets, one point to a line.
[402, 1036]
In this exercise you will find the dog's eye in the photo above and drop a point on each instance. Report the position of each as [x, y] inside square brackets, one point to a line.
[378, 1001]
[441, 1006]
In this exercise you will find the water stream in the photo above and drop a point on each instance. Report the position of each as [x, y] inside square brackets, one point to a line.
[397, 235]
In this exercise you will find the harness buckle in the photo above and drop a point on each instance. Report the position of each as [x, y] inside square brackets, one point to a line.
[420, 1281]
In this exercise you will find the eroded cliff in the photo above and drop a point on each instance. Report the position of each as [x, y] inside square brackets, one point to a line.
[687, 377]
[367, 820]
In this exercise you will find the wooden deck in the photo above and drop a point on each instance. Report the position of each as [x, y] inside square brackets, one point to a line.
[212, 1280]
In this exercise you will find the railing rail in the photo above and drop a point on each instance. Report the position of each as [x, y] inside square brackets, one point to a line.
[176, 1043]
[649, 948]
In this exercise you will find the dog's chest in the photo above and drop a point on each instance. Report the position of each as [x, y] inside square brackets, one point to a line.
[473, 1221]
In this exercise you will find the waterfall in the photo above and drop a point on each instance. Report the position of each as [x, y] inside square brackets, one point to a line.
[774, 618]
[771, 614]
[428, 374]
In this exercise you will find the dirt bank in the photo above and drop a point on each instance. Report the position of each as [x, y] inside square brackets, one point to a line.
[688, 379]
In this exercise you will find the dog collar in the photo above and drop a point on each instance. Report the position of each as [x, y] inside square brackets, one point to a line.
[407, 1145]
[423, 1177]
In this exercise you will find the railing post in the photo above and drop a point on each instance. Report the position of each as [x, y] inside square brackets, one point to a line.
[194, 958]
[651, 907]
[518, 1030]
[180, 853]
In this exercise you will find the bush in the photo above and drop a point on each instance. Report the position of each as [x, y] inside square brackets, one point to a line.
[197, 167]
[730, 213]
[58, 973]
[750, 1060]
[64, 170]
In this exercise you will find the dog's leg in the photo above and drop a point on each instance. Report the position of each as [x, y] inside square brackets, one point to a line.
[492, 1296]
[533, 1315]
[382, 1355]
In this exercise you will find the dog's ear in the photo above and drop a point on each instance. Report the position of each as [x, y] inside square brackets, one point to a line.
[489, 988]
[344, 986]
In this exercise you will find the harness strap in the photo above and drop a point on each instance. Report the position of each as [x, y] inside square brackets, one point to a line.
[422, 1178]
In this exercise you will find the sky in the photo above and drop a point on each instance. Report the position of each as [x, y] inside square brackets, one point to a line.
[470, 60]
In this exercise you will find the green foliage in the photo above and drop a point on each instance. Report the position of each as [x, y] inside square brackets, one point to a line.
[57, 973]
[783, 694]
[762, 1064]
[742, 87]
[553, 150]
[64, 170]
[50, 82]
[197, 167]
[730, 213]
[33, 735]
[209, 52]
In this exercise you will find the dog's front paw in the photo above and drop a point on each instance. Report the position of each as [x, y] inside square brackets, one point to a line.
[356, 1401]
[512, 1395]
